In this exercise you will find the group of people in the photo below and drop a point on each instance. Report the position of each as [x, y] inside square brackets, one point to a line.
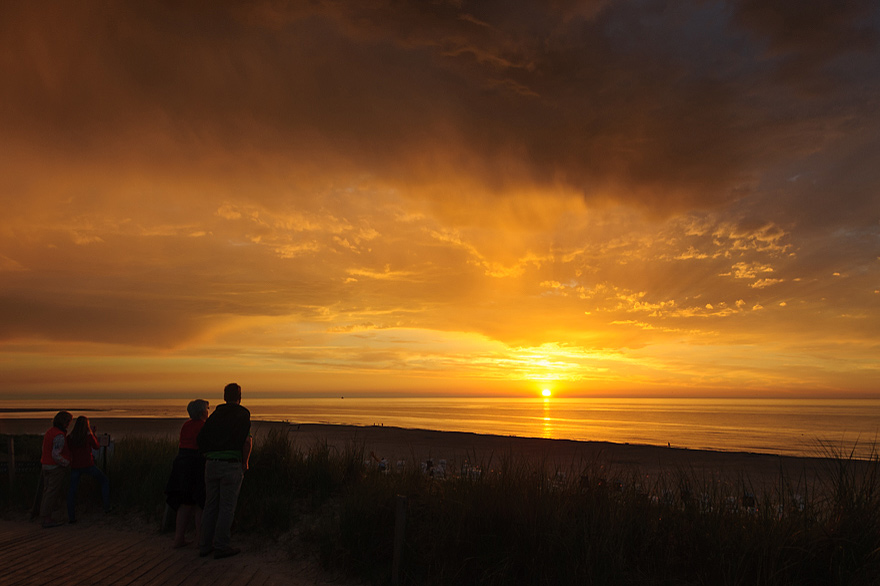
[74, 450]
[213, 455]
[206, 476]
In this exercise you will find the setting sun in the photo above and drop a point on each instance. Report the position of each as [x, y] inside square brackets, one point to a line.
[546, 392]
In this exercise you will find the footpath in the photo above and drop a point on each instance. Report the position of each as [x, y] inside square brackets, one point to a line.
[97, 554]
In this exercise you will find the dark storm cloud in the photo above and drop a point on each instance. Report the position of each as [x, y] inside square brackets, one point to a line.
[669, 105]
[808, 35]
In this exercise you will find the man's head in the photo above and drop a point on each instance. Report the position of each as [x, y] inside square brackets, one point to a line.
[232, 393]
[61, 420]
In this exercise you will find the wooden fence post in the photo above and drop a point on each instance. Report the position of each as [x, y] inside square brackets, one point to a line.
[399, 531]
[38, 497]
[11, 463]
[104, 442]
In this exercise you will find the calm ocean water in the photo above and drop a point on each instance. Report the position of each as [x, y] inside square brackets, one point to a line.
[790, 427]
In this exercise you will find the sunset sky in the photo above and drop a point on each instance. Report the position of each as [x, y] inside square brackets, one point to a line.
[599, 197]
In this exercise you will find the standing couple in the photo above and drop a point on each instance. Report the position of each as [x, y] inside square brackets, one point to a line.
[61, 451]
[212, 459]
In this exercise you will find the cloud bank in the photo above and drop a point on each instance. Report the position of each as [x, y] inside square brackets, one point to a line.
[374, 183]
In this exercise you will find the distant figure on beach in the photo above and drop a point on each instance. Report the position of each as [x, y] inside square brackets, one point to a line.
[81, 441]
[226, 442]
[186, 485]
[54, 459]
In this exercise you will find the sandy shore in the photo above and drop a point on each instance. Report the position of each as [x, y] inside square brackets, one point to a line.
[414, 446]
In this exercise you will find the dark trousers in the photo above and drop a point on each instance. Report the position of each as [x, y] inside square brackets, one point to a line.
[95, 473]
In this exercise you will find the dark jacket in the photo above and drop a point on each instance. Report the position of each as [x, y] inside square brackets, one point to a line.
[226, 429]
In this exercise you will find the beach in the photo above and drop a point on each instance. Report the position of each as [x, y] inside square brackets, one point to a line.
[459, 450]
[617, 505]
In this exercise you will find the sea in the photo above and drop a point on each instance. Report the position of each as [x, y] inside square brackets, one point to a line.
[808, 427]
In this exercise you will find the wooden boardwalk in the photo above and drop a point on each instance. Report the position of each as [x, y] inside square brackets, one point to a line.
[96, 555]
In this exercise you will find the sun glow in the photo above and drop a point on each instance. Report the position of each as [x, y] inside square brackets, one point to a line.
[546, 392]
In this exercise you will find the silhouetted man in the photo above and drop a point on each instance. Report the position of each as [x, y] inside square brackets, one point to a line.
[226, 442]
[54, 460]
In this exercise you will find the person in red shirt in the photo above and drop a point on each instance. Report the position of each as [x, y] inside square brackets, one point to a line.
[54, 459]
[186, 487]
[82, 441]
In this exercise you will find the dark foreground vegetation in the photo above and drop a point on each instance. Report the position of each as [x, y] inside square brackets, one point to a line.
[513, 522]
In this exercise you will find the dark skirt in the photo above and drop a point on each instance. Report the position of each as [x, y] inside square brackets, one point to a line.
[186, 485]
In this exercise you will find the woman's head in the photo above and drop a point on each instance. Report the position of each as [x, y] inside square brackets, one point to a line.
[197, 409]
[81, 430]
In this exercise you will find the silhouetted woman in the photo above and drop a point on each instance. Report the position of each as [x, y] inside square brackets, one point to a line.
[81, 442]
[186, 486]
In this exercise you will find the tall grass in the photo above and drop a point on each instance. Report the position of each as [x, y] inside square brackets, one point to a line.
[528, 524]
[508, 521]
[138, 470]
[18, 496]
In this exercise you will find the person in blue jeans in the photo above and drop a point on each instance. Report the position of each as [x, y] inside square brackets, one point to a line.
[81, 441]
[226, 442]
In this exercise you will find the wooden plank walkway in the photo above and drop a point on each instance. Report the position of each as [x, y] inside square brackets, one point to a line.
[96, 555]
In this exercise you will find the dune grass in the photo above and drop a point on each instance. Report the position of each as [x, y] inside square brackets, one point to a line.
[510, 521]
[19, 495]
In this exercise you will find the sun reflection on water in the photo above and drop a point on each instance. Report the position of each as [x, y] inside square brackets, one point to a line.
[547, 427]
